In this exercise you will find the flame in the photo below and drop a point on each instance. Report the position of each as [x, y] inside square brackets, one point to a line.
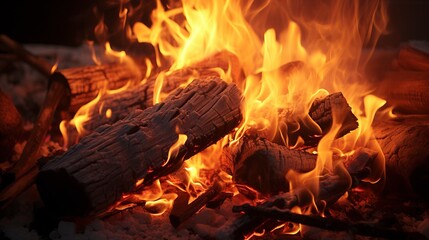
[174, 149]
[291, 52]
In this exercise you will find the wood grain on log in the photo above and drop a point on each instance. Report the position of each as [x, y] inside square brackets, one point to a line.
[85, 82]
[141, 96]
[94, 174]
[405, 145]
[410, 58]
[331, 188]
[406, 91]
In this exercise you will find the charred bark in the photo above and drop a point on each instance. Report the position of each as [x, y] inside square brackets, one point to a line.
[95, 173]
[406, 91]
[405, 145]
[141, 96]
[323, 112]
[263, 165]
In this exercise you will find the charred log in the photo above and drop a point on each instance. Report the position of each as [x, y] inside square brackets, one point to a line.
[404, 143]
[328, 223]
[95, 173]
[112, 107]
[263, 165]
[410, 58]
[331, 188]
[84, 83]
[323, 112]
[410, 93]
[10, 126]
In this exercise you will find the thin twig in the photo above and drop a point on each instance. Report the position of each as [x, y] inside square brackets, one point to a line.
[331, 224]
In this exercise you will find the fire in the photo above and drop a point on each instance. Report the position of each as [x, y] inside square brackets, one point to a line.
[291, 52]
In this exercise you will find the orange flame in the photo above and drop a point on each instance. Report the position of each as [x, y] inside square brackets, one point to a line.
[325, 37]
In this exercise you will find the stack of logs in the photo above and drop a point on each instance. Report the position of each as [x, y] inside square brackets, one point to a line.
[134, 143]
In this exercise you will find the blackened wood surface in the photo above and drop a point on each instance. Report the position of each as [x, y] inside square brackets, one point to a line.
[405, 144]
[10, 126]
[95, 173]
[141, 95]
[406, 91]
[263, 165]
[323, 112]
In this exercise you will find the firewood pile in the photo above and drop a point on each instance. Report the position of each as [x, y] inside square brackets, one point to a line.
[134, 144]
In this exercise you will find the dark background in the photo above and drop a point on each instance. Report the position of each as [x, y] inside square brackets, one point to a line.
[71, 22]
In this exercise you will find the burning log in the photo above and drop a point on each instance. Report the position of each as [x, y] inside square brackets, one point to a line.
[332, 224]
[10, 126]
[262, 165]
[94, 174]
[404, 143]
[141, 96]
[322, 112]
[410, 93]
[410, 58]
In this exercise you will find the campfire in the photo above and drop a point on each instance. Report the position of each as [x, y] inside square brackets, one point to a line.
[237, 120]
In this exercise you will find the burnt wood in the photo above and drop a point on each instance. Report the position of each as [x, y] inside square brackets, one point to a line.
[405, 145]
[10, 126]
[84, 83]
[322, 112]
[331, 188]
[139, 96]
[410, 58]
[406, 91]
[93, 175]
[263, 165]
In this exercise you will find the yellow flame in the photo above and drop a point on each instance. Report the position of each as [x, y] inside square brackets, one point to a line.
[291, 52]
[174, 149]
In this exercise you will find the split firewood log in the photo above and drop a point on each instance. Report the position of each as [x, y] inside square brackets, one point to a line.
[406, 91]
[93, 175]
[10, 127]
[405, 145]
[262, 165]
[113, 107]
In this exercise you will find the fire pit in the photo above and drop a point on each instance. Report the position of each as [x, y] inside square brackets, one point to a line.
[219, 120]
